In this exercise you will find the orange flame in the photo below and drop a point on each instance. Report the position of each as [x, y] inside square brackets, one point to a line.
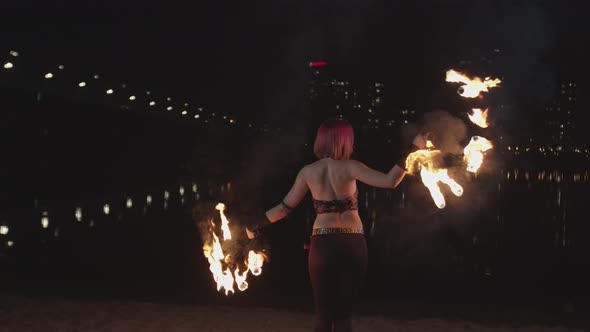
[221, 264]
[255, 261]
[224, 222]
[474, 152]
[471, 87]
[479, 117]
[431, 176]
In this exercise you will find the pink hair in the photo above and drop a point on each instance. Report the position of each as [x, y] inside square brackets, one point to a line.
[335, 139]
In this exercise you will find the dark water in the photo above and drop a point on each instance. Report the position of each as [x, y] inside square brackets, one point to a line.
[514, 236]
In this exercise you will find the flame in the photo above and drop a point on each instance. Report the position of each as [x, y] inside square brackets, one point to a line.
[479, 117]
[224, 222]
[255, 261]
[241, 279]
[431, 176]
[474, 152]
[471, 87]
[221, 264]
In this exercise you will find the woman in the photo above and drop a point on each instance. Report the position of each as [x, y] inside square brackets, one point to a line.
[338, 254]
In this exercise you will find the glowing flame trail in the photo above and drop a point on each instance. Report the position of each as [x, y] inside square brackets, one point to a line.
[471, 87]
[221, 264]
[474, 152]
[224, 222]
[431, 176]
[479, 117]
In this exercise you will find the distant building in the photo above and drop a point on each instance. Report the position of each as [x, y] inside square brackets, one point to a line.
[559, 117]
[329, 97]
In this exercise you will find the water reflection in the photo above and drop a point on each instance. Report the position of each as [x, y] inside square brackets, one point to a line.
[501, 218]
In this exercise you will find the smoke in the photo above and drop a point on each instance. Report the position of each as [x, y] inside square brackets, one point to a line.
[269, 159]
[447, 132]
[523, 37]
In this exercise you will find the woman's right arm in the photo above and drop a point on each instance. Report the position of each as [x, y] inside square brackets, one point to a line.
[374, 178]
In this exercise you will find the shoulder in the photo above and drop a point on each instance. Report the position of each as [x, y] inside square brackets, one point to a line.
[351, 163]
[305, 170]
[354, 167]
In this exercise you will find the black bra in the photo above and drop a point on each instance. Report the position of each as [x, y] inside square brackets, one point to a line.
[337, 205]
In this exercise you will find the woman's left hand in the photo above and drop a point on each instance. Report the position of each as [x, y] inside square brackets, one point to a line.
[251, 235]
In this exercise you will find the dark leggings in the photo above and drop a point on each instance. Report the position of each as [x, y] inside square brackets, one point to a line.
[337, 267]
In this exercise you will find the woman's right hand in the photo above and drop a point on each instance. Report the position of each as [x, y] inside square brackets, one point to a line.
[420, 140]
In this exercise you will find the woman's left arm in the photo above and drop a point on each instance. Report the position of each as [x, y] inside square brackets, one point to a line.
[291, 200]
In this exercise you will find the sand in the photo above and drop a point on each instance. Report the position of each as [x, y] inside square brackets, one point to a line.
[20, 313]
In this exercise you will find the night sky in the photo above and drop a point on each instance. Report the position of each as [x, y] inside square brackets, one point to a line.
[249, 58]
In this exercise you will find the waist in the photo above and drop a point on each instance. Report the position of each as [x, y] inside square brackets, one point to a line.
[337, 230]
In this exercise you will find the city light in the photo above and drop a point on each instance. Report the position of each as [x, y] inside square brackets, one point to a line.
[14, 53]
[48, 75]
[8, 65]
[152, 103]
[106, 209]
[148, 200]
[131, 98]
[95, 77]
[4, 230]
[318, 63]
[109, 91]
[78, 214]
[184, 112]
[61, 67]
[169, 108]
[82, 84]
[45, 221]
[197, 116]
[129, 203]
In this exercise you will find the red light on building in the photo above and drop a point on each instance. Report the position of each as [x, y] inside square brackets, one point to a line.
[318, 64]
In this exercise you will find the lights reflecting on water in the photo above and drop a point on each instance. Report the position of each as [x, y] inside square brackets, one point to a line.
[44, 221]
[553, 176]
[78, 214]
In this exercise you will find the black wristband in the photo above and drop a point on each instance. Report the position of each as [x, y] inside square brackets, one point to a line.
[401, 162]
[261, 221]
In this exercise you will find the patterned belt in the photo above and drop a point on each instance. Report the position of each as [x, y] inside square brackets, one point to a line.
[337, 230]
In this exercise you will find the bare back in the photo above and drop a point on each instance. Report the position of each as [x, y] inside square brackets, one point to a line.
[328, 180]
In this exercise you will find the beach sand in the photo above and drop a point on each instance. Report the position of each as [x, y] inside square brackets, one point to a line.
[20, 313]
